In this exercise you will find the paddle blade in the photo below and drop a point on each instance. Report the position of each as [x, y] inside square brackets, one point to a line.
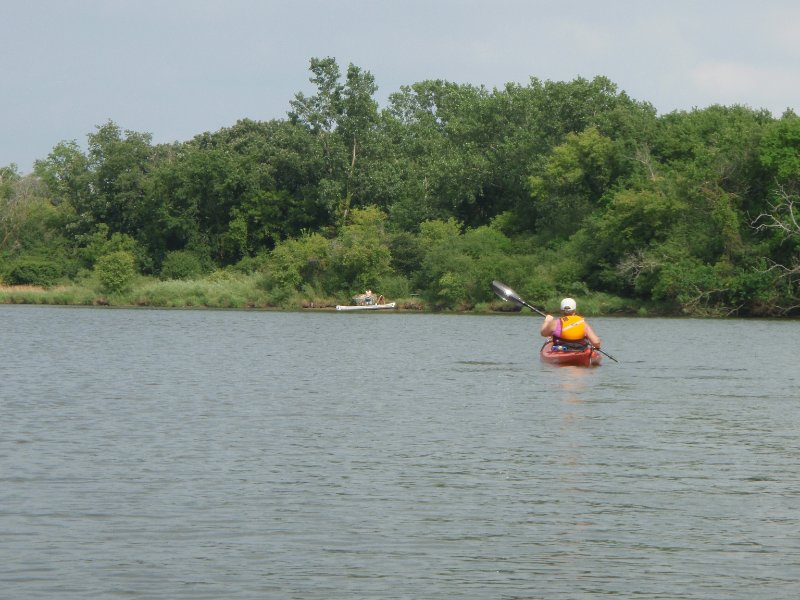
[506, 293]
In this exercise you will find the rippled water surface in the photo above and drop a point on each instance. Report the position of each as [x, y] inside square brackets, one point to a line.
[216, 454]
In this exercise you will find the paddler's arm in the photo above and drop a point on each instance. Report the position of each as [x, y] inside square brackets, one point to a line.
[548, 326]
[592, 336]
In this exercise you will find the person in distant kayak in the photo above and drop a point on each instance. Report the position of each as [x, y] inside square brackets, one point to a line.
[570, 328]
[368, 297]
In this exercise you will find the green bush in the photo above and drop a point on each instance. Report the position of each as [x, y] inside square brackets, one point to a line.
[252, 264]
[116, 272]
[406, 253]
[33, 271]
[361, 254]
[393, 287]
[181, 264]
[101, 242]
[297, 261]
[451, 290]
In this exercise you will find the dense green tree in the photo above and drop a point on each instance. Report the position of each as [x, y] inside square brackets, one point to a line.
[779, 151]
[119, 162]
[19, 198]
[457, 268]
[360, 254]
[298, 261]
[557, 187]
[181, 264]
[33, 247]
[342, 116]
[101, 242]
[573, 179]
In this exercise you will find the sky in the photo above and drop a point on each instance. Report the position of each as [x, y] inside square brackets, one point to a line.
[178, 68]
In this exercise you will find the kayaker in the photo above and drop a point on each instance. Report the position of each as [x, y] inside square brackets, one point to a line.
[368, 297]
[569, 328]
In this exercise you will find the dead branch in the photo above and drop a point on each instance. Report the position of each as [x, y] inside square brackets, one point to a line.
[782, 216]
[642, 155]
[632, 266]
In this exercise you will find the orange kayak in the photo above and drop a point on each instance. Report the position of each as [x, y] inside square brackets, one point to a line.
[587, 357]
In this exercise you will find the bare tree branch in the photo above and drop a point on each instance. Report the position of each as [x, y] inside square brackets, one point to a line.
[632, 266]
[642, 155]
[782, 216]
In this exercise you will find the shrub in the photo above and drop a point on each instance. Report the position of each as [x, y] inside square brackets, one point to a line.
[181, 264]
[406, 253]
[360, 255]
[252, 264]
[393, 287]
[297, 261]
[33, 271]
[451, 290]
[100, 242]
[115, 271]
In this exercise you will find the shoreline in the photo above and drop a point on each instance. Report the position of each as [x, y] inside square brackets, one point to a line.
[85, 297]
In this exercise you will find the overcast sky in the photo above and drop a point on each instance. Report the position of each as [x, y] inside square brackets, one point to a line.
[176, 68]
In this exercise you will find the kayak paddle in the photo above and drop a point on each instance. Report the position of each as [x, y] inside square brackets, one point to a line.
[606, 354]
[507, 294]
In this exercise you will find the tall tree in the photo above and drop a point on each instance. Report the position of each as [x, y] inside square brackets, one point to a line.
[342, 116]
[120, 162]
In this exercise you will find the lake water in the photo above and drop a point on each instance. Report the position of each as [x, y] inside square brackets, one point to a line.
[236, 454]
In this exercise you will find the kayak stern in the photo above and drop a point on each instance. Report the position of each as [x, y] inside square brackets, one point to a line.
[588, 357]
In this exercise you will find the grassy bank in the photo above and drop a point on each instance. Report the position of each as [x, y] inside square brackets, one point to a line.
[220, 290]
[237, 291]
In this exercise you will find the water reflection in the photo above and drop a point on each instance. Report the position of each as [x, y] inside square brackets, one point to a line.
[574, 383]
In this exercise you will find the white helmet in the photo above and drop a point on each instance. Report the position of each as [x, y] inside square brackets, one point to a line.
[568, 305]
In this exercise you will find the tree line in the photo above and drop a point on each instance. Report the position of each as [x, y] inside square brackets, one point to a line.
[558, 188]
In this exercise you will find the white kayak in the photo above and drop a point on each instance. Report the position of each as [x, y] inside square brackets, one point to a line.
[365, 306]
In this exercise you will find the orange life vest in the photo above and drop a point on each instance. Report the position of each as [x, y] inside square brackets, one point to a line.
[573, 328]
